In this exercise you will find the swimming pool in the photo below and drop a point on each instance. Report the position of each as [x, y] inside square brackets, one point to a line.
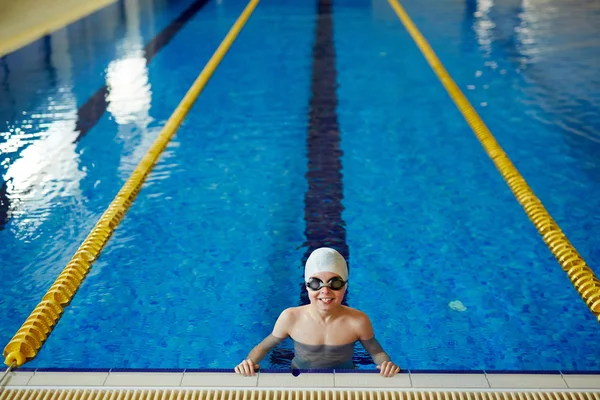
[441, 256]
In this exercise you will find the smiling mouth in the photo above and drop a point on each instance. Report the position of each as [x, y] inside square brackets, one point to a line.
[327, 300]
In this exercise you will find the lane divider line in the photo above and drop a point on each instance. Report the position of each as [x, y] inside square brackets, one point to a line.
[580, 274]
[28, 340]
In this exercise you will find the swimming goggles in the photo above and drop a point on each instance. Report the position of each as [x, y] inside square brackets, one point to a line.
[333, 284]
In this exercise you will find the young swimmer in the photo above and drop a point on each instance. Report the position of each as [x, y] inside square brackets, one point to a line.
[324, 331]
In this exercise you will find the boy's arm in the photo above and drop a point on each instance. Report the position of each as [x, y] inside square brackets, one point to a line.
[369, 342]
[262, 349]
[279, 334]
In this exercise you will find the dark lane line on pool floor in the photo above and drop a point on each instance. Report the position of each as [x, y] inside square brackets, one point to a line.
[323, 201]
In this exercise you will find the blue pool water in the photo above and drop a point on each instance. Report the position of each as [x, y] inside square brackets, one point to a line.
[442, 257]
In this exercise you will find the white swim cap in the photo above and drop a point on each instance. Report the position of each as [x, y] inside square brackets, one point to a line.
[325, 259]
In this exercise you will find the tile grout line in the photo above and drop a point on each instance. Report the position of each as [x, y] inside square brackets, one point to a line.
[564, 380]
[485, 375]
[105, 379]
[334, 385]
[30, 378]
[107, 376]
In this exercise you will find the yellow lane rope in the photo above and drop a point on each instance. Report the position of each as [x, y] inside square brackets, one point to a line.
[28, 340]
[582, 277]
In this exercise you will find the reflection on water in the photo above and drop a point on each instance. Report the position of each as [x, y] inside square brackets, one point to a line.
[47, 168]
[552, 45]
[483, 26]
[130, 92]
[35, 101]
[129, 95]
[127, 77]
[39, 160]
[38, 145]
[525, 36]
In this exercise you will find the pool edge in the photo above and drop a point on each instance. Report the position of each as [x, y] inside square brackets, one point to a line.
[328, 381]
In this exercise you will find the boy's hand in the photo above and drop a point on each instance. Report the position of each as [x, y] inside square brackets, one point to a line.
[388, 368]
[246, 368]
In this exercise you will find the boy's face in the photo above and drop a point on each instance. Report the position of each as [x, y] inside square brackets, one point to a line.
[326, 298]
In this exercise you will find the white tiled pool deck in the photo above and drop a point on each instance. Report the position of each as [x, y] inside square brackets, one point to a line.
[218, 380]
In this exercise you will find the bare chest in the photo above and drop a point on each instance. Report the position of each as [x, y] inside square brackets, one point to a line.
[314, 333]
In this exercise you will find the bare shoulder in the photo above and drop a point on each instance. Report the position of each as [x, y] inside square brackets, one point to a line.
[286, 321]
[356, 315]
[361, 323]
[291, 313]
